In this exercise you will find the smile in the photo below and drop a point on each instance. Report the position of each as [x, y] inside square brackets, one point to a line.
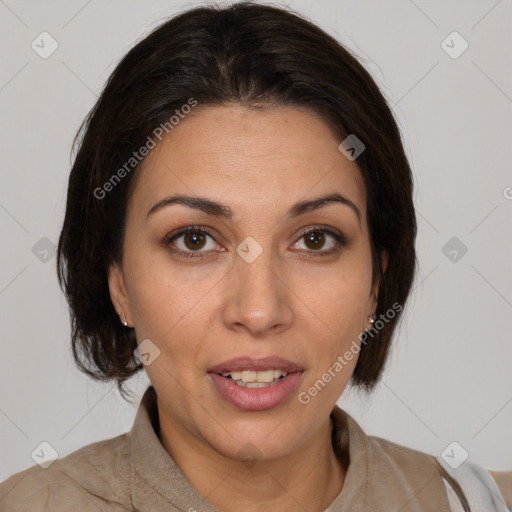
[256, 384]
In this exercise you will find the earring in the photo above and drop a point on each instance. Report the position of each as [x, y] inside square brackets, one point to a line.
[371, 318]
[124, 322]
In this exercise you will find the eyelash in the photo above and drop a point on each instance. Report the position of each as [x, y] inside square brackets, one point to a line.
[340, 239]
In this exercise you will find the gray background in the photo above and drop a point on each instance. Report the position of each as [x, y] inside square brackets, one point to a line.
[449, 377]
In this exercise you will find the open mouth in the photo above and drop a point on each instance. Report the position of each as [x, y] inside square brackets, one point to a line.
[256, 384]
[256, 390]
[255, 379]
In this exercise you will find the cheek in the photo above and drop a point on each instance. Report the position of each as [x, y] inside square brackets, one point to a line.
[171, 306]
[340, 294]
[164, 295]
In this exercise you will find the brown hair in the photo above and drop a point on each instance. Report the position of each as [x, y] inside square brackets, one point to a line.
[253, 55]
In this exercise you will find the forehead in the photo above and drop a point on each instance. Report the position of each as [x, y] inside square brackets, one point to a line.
[248, 158]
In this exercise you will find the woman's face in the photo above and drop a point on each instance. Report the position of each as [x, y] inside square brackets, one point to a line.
[260, 284]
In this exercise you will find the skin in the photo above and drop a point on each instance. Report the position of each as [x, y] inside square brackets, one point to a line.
[205, 310]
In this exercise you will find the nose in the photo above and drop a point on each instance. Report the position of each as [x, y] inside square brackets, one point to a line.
[257, 300]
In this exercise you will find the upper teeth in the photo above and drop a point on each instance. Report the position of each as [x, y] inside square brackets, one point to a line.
[251, 376]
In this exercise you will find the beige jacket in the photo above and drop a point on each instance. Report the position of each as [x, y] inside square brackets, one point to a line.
[134, 472]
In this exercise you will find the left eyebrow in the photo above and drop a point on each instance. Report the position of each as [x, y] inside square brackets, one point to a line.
[302, 207]
[223, 211]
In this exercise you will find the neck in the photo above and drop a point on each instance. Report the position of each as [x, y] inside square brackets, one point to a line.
[309, 479]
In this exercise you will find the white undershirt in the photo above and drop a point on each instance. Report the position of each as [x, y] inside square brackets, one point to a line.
[479, 487]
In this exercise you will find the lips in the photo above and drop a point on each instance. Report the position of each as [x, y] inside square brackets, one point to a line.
[258, 398]
[249, 363]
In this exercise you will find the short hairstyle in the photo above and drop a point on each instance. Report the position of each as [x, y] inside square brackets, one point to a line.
[256, 56]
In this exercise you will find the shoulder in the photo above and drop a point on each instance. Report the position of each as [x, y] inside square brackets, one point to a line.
[98, 473]
[406, 464]
[401, 477]
[396, 470]
[471, 484]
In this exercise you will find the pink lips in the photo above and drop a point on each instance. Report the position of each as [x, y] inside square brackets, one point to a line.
[256, 399]
[250, 363]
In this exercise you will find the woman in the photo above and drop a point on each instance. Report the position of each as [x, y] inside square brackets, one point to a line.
[240, 224]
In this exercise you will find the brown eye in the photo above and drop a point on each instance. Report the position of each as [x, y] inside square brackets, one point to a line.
[191, 240]
[320, 242]
[194, 240]
[314, 239]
